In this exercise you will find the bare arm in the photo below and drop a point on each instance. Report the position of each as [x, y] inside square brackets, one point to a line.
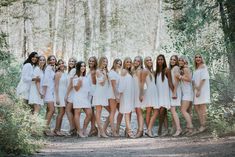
[57, 79]
[143, 75]
[187, 75]
[168, 74]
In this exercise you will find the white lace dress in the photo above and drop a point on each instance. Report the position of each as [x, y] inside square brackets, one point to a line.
[34, 95]
[23, 87]
[198, 75]
[126, 90]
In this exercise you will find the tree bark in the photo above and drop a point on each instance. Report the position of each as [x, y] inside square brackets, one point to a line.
[57, 6]
[102, 26]
[87, 38]
[64, 36]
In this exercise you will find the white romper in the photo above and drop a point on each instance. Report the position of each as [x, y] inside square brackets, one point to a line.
[113, 93]
[81, 97]
[34, 95]
[23, 87]
[163, 91]
[100, 96]
[126, 87]
[71, 75]
[151, 94]
[49, 81]
[63, 84]
[187, 90]
[92, 90]
[175, 102]
[137, 102]
[198, 75]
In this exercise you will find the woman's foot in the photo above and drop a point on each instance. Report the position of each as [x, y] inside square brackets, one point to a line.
[58, 133]
[49, 133]
[139, 134]
[129, 134]
[202, 129]
[73, 132]
[177, 133]
[102, 134]
[80, 134]
[149, 134]
[93, 132]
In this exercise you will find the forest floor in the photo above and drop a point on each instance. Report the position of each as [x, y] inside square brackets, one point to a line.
[200, 145]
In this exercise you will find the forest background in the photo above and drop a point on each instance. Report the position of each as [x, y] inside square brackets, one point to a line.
[116, 29]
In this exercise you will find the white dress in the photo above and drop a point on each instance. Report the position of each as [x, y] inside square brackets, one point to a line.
[63, 84]
[49, 81]
[92, 90]
[100, 96]
[81, 97]
[113, 93]
[70, 75]
[198, 75]
[23, 87]
[187, 91]
[151, 94]
[137, 102]
[34, 95]
[126, 87]
[163, 91]
[175, 102]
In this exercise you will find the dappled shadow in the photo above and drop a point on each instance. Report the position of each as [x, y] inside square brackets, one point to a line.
[141, 147]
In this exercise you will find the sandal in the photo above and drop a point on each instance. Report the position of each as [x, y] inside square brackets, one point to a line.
[129, 134]
[49, 133]
[93, 132]
[58, 133]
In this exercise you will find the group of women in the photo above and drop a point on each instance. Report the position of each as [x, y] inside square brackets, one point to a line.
[129, 86]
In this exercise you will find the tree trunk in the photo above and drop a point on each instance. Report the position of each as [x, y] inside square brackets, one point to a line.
[87, 38]
[74, 27]
[108, 31]
[57, 6]
[64, 36]
[102, 26]
[158, 27]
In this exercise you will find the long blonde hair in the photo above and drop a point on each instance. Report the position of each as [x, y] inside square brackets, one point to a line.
[124, 63]
[195, 64]
[147, 67]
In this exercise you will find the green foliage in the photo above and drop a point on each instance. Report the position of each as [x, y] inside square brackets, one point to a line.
[19, 129]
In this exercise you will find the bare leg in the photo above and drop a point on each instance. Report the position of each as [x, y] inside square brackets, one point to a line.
[152, 121]
[184, 110]
[148, 115]
[93, 130]
[69, 111]
[140, 120]
[50, 112]
[119, 121]
[203, 117]
[59, 119]
[36, 109]
[128, 125]
[113, 107]
[161, 119]
[88, 112]
[77, 113]
[98, 121]
[176, 121]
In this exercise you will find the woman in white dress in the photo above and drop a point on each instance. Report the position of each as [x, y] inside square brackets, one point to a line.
[150, 96]
[136, 73]
[35, 94]
[201, 88]
[92, 62]
[164, 85]
[48, 91]
[23, 87]
[100, 97]
[114, 78]
[126, 90]
[81, 98]
[185, 78]
[61, 84]
[176, 94]
[69, 95]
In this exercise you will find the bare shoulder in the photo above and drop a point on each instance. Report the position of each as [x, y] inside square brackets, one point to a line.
[123, 72]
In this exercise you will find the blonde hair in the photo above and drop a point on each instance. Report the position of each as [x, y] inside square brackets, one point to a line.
[195, 64]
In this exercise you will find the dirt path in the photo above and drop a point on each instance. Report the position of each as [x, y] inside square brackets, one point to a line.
[111, 147]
